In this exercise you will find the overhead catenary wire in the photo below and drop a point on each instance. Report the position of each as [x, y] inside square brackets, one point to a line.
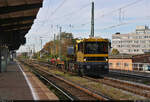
[120, 24]
[115, 10]
[125, 6]
[53, 12]
[67, 15]
[108, 13]
[45, 17]
[57, 8]
[70, 14]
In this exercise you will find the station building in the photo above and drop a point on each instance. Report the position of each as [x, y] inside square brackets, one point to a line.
[129, 62]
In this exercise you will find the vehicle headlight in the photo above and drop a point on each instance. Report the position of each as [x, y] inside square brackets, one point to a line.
[106, 59]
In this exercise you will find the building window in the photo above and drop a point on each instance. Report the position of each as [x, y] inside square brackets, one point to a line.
[118, 64]
[140, 32]
[142, 41]
[140, 37]
[113, 41]
[110, 64]
[136, 41]
[149, 58]
[129, 50]
[118, 46]
[145, 36]
[136, 50]
[116, 37]
[126, 64]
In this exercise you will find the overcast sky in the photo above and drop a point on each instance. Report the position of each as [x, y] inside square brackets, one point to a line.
[74, 16]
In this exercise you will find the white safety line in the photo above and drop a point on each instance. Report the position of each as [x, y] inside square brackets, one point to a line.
[34, 95]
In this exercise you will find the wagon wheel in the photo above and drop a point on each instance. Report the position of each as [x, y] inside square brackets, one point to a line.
[80, 71]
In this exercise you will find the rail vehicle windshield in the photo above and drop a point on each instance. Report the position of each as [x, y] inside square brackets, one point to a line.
[96, 48]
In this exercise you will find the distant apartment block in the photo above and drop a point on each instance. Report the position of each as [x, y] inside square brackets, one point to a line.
[137, 42]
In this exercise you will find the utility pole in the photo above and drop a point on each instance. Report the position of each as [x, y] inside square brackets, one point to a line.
[29, 51]
[33, 48]
[92, 20]
[49, 42]
[60, 42]
[120, 15]
[70, 27]
[54, 44]
[41, 46]
[33, 51]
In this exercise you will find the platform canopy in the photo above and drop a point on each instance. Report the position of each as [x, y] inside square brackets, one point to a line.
[16, 19]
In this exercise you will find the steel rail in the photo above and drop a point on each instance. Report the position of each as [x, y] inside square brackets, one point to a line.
[93, 94]
[69, 97]
[127, 75]
[123, 85]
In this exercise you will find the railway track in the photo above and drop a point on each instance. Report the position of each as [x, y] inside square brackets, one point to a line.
[140, 78]
[132, 74]
[73, 91]
[135, 88]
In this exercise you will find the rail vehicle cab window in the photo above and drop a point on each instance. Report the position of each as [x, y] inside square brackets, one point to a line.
[80, 47]
[96, 48]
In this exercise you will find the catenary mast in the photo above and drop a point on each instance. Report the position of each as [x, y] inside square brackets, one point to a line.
[92, 20]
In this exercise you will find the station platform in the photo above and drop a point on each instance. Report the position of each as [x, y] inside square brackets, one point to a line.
[20, 84]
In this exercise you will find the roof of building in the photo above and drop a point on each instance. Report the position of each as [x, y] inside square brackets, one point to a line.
[138, 28]
[142, 55]
[121, 56]
[128, 56]
[16, 18]
[142, 28]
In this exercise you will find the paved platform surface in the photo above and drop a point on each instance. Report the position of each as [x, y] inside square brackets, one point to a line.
[13, 85]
